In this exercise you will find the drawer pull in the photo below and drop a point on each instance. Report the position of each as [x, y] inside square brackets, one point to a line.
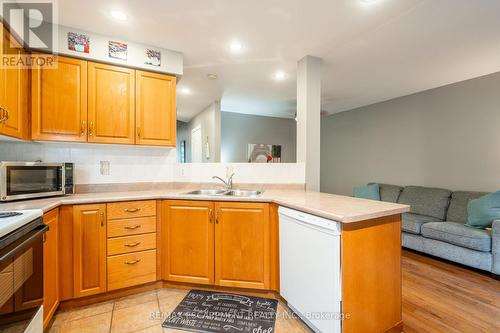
[132, 227]
[132, 244]
[132, 262]
[132, 210]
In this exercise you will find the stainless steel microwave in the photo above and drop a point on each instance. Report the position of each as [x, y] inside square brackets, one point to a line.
[28, 180]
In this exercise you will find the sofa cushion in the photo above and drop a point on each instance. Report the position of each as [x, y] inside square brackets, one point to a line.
[390, 193]
[457, 211]
[483, 211]
[426, 200]
[413, 222]
[371, 192]
[458, 234]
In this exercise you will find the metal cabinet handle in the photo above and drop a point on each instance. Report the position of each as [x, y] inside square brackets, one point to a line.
[210, 215]
[216, 216]
[102, 219]
[132, 262]
[91, 128]
[84, 128]
[132, 227]
[138, 132]
[4, 114]
[132, 210]
[132, 244]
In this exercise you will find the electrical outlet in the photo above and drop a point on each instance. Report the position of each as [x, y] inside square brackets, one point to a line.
[104, 167]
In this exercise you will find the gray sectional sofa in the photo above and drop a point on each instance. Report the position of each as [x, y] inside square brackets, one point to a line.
[436, 225]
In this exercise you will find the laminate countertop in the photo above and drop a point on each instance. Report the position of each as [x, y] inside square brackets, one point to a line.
[334, 207]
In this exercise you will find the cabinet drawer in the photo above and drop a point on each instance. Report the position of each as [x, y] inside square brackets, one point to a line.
[121, 245]
[128, 227]
[131, 269]
[123, 210]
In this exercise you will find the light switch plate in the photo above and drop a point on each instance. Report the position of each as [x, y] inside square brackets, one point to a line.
[104, 168]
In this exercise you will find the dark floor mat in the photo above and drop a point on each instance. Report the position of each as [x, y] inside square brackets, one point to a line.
[209, 312]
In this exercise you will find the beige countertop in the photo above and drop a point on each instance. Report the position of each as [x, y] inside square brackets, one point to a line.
[334, 207]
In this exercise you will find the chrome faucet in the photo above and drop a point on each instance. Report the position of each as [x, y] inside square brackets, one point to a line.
[228, 182]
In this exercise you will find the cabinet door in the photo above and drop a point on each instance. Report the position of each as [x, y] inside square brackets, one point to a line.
[242, 242]
[155, 109]
[189, 241]
[13, 92]
[50, 266]
[111, 104]
[59, 101]
[89, 249]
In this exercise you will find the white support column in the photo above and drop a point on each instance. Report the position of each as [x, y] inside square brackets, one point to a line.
[309, 118]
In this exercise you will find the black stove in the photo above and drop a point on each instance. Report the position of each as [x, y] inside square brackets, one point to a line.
[4, 215]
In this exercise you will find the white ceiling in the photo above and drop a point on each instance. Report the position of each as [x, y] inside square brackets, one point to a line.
[371, 52]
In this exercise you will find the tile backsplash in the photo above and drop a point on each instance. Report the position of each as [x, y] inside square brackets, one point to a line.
[129, 164]
[126, 163]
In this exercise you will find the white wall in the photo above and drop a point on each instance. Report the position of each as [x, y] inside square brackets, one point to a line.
[269, 173]
[171, 61]
[446, 137]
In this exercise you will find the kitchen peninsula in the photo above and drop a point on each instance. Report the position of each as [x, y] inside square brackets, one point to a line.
[180, 240]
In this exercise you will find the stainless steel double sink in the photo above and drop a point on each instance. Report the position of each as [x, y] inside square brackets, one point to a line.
[232, 193]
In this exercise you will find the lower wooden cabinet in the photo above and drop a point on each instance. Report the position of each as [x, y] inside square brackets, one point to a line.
[189, 241]
[222, 243]
[50, 266]
[242, 245]
[131, 269]
[89, 250]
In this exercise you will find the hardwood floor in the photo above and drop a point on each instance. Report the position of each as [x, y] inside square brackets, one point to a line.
[442, 297]
[437, 297]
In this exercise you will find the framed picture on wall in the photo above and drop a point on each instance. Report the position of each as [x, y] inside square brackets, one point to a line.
[264, 153]
[117, 50]
[78, 42]
[153, 57]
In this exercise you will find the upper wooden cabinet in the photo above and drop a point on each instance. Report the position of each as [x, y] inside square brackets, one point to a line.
[111, 104]
[89, 249]
[155, 109]
[14, 94]
[84, 101]
[242, 245]
[59, 101]
[50, 266]
[189, 241]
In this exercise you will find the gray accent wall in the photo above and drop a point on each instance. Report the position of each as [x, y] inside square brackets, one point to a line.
[238, 130]
[445, 137]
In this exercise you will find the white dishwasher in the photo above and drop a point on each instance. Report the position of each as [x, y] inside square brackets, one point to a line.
[310, 279]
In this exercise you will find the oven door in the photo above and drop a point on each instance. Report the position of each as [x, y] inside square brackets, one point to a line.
[21, 280]
[31, 180]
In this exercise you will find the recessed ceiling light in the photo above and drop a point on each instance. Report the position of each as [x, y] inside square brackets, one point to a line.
[279, 75]
[236, 47]
[118, 15]
[185, 90]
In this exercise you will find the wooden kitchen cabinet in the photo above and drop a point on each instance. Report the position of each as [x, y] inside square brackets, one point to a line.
[59, 101]
[89, 250]
[111, 104]
[242, 245]
[155, 109]
[14, 94]
[50, 266]
[189, 241]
